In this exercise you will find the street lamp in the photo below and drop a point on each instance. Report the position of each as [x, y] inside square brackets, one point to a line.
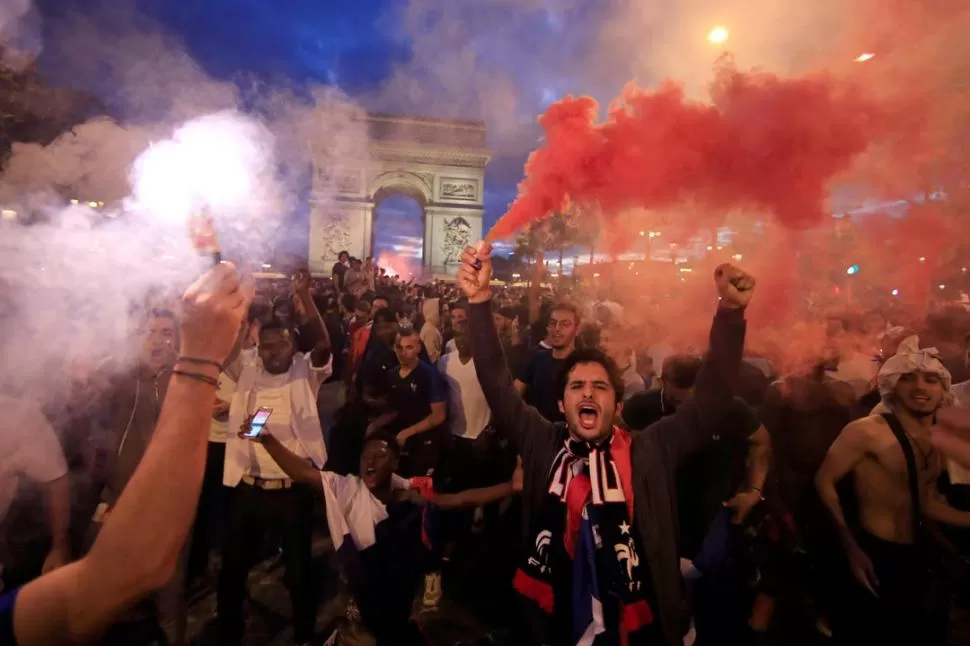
[865, 56]
[718, 35]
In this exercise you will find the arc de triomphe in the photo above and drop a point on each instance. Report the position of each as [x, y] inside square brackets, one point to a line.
[438, 162]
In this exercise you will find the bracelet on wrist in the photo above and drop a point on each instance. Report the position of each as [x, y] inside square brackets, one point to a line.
[197, 376]
[199, 361]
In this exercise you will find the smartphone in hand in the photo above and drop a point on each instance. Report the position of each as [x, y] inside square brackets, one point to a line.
[258, 423]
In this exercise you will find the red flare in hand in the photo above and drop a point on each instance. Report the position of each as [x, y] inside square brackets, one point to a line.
[204, 238]
[765, 142]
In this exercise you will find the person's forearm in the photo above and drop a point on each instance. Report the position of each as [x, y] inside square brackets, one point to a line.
[714, 391]
[57, 497]
[471, 498]
[318, 331]
[137, 550]
[941, 512]
[759, 460]
[382, 420]
[431, 421]
[294, 466]
[703, 418]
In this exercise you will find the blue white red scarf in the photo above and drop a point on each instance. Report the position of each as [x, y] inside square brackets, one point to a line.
[584, 524]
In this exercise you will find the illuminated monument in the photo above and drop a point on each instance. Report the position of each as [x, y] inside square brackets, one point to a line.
[439, 163]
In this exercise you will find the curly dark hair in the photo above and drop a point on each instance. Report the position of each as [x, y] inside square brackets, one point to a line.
[590, 355]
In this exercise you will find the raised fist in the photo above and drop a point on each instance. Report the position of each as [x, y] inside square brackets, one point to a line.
[734, 286]
[475, 272]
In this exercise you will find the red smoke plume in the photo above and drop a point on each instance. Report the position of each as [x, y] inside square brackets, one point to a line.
[764, 142]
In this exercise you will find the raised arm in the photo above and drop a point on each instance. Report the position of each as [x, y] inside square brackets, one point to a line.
[513, 418]
[138, 548]
[471, 498]
[698, 422]
[320, 355]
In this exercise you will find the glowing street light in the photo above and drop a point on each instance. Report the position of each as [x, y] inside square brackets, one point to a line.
[852, 270]
[865, 56]
[895, 292]
[718, 35]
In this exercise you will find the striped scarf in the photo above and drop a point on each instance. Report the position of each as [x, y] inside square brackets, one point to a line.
[584, 563]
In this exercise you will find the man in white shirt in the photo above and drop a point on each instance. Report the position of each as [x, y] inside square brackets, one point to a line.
[29, 449]
[472, 458]
[275, 376]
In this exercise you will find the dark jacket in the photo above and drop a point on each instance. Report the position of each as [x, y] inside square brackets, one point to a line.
[128, 424]
[655, 454]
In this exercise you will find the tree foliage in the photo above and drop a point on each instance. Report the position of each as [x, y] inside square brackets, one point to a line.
[31, 111]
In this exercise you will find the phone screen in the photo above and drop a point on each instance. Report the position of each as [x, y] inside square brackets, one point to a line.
[259, 422]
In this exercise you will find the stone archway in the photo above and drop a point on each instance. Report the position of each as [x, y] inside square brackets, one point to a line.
[438, 162]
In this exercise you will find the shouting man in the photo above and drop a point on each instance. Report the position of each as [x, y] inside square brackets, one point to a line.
[599, 504]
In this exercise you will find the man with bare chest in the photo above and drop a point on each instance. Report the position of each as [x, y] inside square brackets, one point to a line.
[887, 550]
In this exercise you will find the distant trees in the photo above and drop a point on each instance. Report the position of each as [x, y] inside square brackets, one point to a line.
[31, 111]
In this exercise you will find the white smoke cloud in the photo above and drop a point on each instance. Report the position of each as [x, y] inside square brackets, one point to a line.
[19, 32]
[180, 141]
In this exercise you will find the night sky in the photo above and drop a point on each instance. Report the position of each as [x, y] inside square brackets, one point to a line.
[496, 60]
[502, 61]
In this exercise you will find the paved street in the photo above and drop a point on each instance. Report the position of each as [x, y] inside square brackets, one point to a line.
[268, 610]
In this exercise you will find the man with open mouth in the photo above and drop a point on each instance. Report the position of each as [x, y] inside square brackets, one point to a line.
[896, 562]
[599, 504]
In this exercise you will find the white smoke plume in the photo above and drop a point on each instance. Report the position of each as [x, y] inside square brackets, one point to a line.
[19, 32]
[94, 225]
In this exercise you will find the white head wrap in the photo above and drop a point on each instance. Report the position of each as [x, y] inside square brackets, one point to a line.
[910, 358]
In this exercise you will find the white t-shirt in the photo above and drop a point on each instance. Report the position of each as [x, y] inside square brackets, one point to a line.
[219, 429]
[961, 396]
[468, 412]
[29, 448]
[294, 421]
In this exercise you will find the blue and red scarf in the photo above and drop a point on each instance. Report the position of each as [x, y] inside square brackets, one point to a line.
[584, 532]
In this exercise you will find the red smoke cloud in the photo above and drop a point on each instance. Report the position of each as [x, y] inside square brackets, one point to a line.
[764, 142]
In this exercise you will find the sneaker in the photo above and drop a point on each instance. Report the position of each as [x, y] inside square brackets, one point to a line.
[432, 590]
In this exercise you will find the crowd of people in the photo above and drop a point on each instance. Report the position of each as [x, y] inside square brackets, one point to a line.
[459, 441]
